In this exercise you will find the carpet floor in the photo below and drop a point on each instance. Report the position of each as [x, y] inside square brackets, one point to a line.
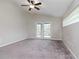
[36, 49]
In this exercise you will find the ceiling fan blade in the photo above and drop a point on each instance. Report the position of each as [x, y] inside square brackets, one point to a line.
[28, 1]
[24, 5]
[37, 8]
[32, 2]
[30, 9]
[38, 3]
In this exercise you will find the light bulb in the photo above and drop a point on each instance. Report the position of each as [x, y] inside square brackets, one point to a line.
[31, 6]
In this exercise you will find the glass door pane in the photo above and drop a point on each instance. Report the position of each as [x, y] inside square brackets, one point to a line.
[46, 30]
[39, 32]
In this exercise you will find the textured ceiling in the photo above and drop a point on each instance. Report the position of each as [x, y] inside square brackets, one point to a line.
[55, 8]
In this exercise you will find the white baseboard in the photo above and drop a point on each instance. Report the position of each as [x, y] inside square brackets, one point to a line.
[12, 42]
[71, 51]
[9, 43]
[46, 38]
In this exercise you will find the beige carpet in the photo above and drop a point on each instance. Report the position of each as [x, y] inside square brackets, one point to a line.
[35, 49]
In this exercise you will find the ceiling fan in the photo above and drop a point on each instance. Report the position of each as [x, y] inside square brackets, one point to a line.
[32, 5]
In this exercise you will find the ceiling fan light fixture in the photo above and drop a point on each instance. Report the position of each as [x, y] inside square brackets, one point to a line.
[32, 6]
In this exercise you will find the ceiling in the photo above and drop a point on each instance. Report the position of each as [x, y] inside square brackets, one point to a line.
[55, 8]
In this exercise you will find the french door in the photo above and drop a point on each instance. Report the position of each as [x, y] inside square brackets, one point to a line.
[43, 30]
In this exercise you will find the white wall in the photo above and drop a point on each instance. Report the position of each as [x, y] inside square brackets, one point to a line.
[71, 38]
[16, 24]
[71, 32]
[12, 23]
[56, 28]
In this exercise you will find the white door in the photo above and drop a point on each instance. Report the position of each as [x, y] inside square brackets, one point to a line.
[43, 30]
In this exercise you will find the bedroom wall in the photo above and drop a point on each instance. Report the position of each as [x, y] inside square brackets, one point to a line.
[16, 24]
[71, 32]
[56, 26]
[13, 25]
